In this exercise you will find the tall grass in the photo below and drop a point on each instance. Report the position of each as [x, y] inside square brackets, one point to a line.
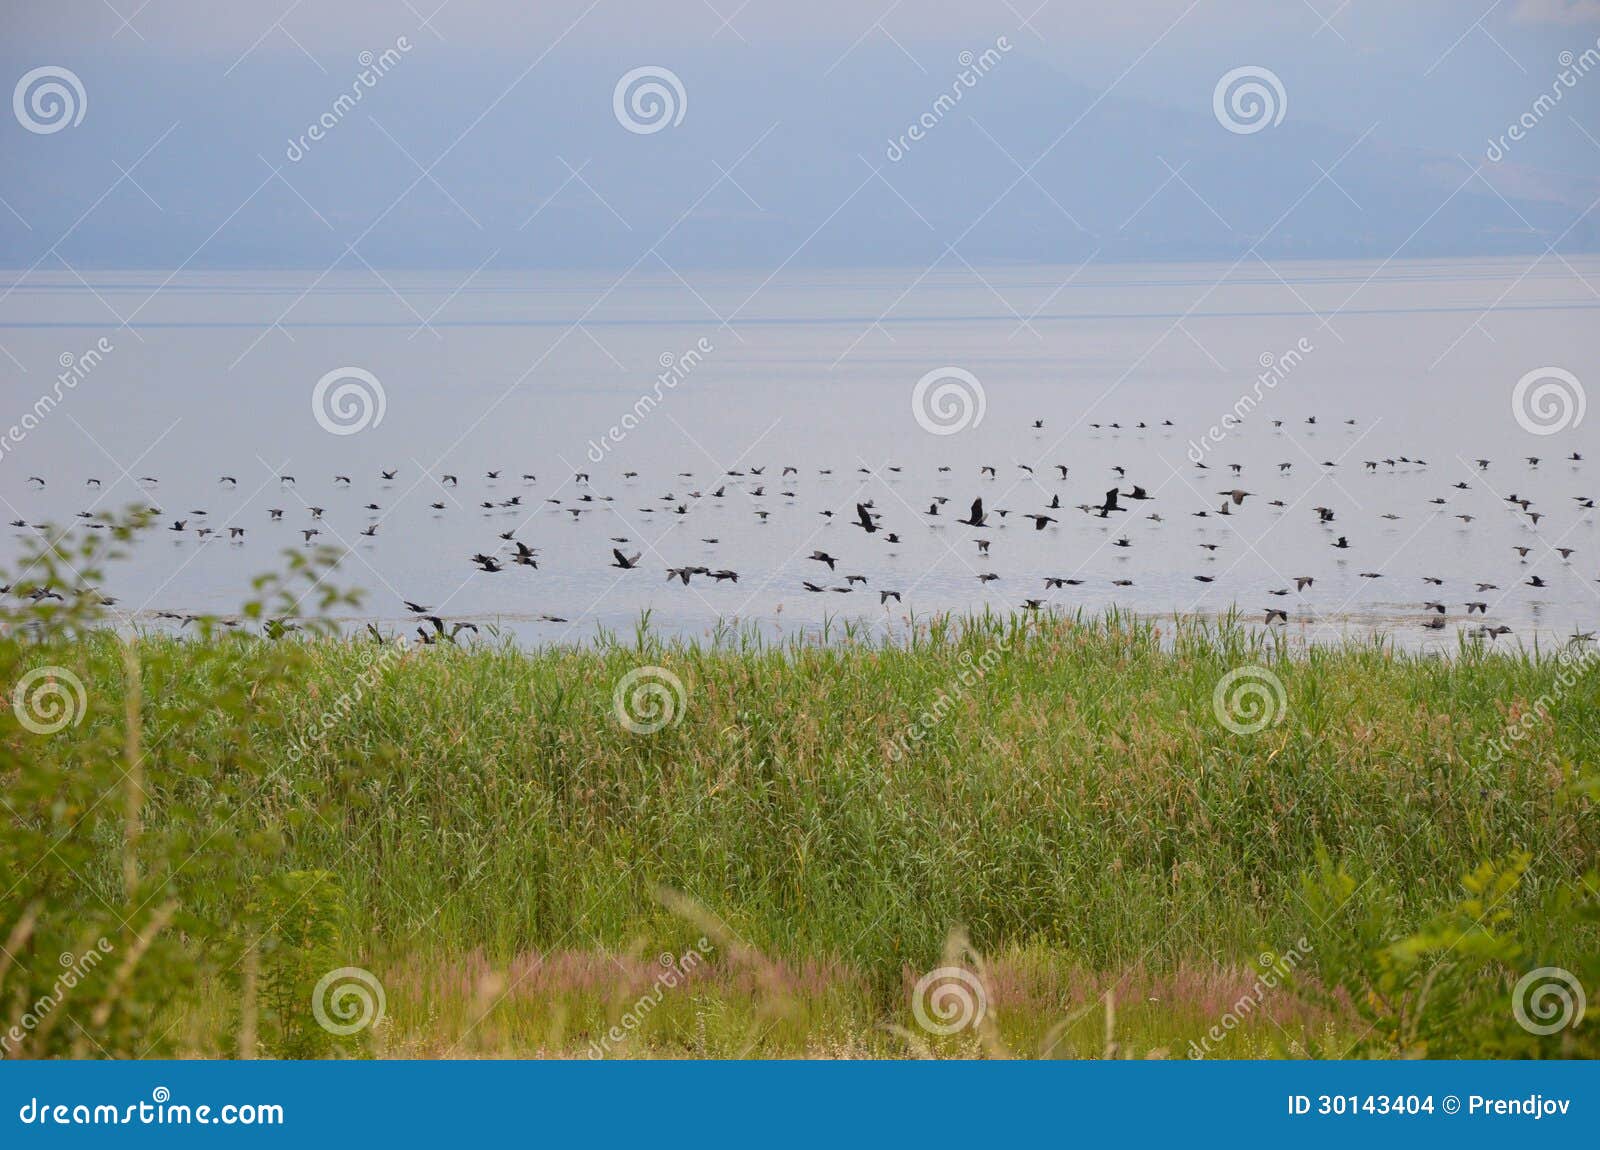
[1071, 798]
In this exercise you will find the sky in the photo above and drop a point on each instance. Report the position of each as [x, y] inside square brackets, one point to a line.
[823, 133]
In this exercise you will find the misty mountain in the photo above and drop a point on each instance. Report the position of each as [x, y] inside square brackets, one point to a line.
[441, 164]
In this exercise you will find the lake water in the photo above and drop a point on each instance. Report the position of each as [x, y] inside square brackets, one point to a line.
[201, 375]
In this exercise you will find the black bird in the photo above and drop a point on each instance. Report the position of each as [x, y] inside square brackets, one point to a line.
[885, 596]
[622, 561]
[864, 519]
[976, 517]
[824, 557]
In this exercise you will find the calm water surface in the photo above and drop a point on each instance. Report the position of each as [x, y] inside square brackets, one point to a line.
[214, 374]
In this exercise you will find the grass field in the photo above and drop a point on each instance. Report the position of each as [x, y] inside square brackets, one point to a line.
[1112, 827]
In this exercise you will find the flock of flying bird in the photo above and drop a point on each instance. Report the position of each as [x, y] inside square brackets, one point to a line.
[879, 526]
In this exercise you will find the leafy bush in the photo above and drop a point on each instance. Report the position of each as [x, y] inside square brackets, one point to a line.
[1472, 981]
[300, 916]
[123, 854]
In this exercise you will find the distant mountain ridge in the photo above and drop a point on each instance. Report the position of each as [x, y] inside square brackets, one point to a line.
[548, 177]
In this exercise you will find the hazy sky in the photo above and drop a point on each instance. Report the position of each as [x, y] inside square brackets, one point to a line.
[501, 114]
